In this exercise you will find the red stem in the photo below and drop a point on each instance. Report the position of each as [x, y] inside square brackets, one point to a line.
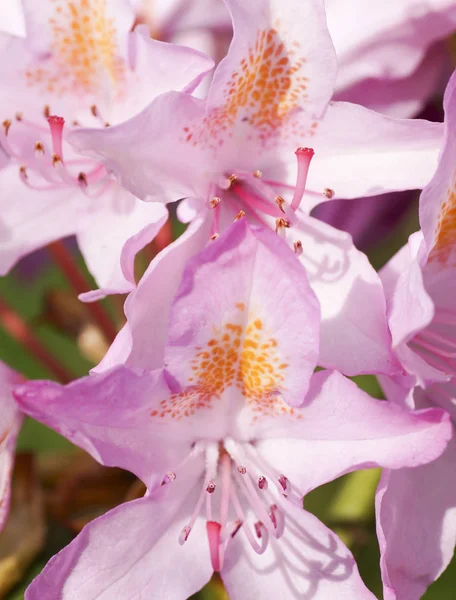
[19, 330]
[79, 284]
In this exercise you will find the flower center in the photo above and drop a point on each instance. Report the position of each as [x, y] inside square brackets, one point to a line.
[239, 491]
[38, 150]
[249, 193]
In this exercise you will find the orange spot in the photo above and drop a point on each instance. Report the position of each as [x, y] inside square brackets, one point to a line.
[445, 238]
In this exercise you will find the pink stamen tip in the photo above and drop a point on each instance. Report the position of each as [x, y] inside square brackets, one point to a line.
[213, 535]
[285, 484]
[304, 156]
[56, 126]
[237, 525]
[169, 478]
[277, 519]
[242, 470]
[210, 487]
[183, 536]
[262, 482]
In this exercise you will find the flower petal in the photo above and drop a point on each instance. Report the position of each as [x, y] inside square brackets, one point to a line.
[112, 235]
[244, 315]
[354, 331]
[109, 416]
[381, 154]
[308, 561]
[130, 551]
[416, 525]
[343, 429]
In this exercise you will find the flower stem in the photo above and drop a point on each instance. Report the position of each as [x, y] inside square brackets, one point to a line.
[79, 284]
[20, 331]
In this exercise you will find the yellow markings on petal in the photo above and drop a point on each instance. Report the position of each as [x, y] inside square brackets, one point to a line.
[445, 238]
[84, 50]
[244, 357]
[264, 91]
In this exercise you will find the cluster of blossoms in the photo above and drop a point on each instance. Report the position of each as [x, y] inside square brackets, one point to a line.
[227, 390]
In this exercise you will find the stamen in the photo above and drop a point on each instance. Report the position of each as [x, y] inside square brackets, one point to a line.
[304, 156]
[18, 116]
[297, 246]
[56, 125]
[82, 179]
[263, 482]
[278, 519]
[258, 174]
[240, 215]
[280, 203]
[6, 125]
[242, 470]
[259, 549]
[285, 485]
[39, 149]
[230, 531]
[210, 489]
[262, 534]
[214, 202]
[169, 478]
[47, 111]
[214, 237]
[183, 536]
[231, 180]
[281, 225]
[329, 193]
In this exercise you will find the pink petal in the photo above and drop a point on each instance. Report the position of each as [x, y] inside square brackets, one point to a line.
[416, 525]
[147, 307]
[381, 154]
[130, 551]
[10, 423]
[245, 299]
[308, 561]
[149, 153]
[112, 235]
[438, 199]
[109, 416]
[354, 331]
[343, 429]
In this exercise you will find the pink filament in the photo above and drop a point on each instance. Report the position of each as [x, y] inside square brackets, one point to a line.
[304, 156]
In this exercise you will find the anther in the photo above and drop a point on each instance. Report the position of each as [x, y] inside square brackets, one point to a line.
[56, 160]
[242, 470]
[214, 202]
[214, 237]
[211, 487]
[183, 536]
[169, 478]
[329, 193]
[258, 174]
[239, 216]
[297, 246]
[18, 116]
[106, 124]
[39, 149]
[237, 525]
[285, 484]
[280, 203]
[75, 123]
[232, 180]
[94, 110]
[47, 111]
[23, 172]
[262, 482]
[6, 125]
[82, 180]
[281, 224]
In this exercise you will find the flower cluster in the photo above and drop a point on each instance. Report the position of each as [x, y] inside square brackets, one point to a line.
[227, 390]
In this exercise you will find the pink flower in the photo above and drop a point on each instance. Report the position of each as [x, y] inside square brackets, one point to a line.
[225, 457]
[236, 151]
[10, 423]
[81, 62]
[391, 54]
[420, 283]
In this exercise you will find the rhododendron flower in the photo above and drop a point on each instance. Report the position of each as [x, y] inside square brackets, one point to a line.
[225, 457]
[236, 151]
[81, 62]
[389, 54]
[10, 423]
[421, 285]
